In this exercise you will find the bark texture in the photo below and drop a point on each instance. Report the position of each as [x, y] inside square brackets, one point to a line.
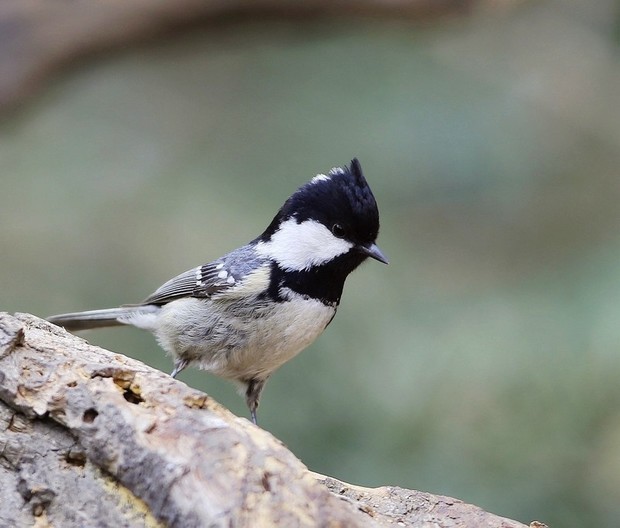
[93, 438]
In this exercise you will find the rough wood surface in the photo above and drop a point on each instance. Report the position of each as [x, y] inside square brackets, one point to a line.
[93, 438]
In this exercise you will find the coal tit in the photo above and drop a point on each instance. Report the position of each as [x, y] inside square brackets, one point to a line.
[244, 315]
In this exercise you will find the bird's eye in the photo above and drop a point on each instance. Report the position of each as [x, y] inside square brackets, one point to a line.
[338, 231]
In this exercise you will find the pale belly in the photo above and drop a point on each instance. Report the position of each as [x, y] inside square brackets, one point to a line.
[235, 343]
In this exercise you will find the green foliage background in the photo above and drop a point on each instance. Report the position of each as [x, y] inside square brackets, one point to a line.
[484, 361]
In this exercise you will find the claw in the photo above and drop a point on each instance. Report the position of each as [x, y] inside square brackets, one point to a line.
[179, 365]
[252, 396]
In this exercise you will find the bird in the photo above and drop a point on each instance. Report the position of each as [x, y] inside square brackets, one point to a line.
[244, 315]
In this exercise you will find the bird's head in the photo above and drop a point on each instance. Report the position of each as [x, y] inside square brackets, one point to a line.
[331, 219]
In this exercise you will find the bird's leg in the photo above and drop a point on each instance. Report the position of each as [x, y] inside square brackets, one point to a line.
[179, 365]
[252, 396]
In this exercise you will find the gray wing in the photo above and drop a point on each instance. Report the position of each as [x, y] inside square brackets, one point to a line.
[203, 281]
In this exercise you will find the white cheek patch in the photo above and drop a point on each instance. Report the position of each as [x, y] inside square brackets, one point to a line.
[297, 247]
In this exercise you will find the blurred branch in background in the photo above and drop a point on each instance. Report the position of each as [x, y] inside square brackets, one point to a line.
[37, 38]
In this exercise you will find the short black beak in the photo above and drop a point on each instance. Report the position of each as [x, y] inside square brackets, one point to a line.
[373, 251]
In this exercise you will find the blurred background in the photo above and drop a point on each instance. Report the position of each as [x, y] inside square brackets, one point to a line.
[484, 362]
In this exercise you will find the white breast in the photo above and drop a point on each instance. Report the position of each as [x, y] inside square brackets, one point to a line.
[291, 327]
[237, 342]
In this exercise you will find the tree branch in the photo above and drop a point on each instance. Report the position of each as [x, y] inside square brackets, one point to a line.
[38, 38]
[90, 437]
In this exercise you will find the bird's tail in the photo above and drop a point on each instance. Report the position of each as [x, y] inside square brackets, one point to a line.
[101, 318]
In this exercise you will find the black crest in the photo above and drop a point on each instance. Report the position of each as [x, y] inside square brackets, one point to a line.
[341, 197]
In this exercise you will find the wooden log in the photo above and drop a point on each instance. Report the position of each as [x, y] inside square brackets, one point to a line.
[89, 437]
